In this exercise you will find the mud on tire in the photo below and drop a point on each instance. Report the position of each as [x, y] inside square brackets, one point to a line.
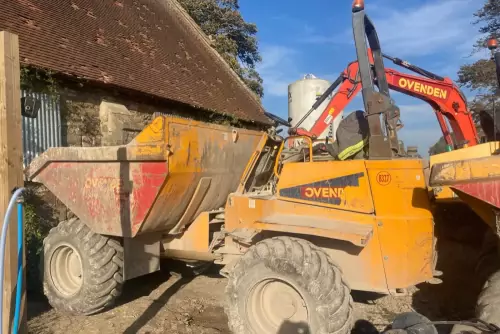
[303, 267]
[488, 305]
[82, 270]
[489, 259]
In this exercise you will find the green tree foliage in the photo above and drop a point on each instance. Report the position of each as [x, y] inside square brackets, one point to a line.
[480, 76]
[233, 38]
[38, 219]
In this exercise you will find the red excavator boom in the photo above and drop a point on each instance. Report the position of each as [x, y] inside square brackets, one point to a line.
[440, 93]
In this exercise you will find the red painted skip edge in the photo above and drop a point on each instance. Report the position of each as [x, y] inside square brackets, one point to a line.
[151, 176]
[487, 191]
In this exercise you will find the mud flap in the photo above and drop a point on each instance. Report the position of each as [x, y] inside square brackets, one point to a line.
[142, 255]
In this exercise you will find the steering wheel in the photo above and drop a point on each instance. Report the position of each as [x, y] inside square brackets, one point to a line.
[277, 119]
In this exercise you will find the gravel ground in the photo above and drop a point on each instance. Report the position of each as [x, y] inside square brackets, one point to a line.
[166, 302]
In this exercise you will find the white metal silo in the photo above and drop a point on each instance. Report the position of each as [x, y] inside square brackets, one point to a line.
[302, 94]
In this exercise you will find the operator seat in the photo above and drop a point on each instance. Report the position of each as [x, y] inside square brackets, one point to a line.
[352, 137]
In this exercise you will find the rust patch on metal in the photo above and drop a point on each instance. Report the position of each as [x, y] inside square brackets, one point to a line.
[111, 198]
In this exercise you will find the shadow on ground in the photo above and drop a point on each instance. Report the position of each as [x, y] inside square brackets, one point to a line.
[155, 306]
[142, 286]
[460, 234]
[135, 289]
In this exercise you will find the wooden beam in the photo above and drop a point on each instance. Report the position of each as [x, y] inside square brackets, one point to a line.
[11, 169]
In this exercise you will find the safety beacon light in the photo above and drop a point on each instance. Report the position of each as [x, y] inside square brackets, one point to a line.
[492, 43]
[358, 5]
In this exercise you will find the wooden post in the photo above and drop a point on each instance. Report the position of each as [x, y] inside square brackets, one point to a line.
[11, 169]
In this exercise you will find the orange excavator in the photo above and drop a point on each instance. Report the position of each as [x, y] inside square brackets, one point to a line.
[440, 93]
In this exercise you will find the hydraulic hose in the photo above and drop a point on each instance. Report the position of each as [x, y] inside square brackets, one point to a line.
[3, 239]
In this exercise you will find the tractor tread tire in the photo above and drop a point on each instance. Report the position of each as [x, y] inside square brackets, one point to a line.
[488, 262]
[102, 261]
[310, 268]
[488, 305]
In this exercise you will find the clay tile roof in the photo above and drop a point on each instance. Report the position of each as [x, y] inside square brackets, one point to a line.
[150, 46]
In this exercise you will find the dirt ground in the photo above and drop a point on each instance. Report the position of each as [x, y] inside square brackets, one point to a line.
[166, 302]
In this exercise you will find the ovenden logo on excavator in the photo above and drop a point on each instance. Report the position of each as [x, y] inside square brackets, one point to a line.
[426, 89]
[331, 191]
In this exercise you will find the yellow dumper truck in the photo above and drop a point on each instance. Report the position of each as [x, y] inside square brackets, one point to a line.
[294, 235]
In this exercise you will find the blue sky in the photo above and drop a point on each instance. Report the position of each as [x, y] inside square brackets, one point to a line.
[297, 37]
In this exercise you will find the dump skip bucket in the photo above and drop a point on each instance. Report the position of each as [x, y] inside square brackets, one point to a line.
[476, 182]
[172, 171]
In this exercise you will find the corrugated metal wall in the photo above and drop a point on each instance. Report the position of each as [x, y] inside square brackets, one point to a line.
[44, 131]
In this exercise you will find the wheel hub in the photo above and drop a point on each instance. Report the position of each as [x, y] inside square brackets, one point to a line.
[66, 270]
[272, 302]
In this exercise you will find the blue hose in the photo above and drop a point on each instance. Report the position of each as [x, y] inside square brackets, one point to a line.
[3, 238]
[19, 285]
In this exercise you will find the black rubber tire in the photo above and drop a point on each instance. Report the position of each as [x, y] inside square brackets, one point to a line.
[488, 304]
[488, 262]
[102, 263]
[309, 269]
[413, 323]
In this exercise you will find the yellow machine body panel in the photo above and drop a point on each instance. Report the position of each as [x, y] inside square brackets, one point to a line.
[372, 217]
[347, 188]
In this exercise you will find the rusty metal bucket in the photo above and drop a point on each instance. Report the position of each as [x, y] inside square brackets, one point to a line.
[171, 172]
